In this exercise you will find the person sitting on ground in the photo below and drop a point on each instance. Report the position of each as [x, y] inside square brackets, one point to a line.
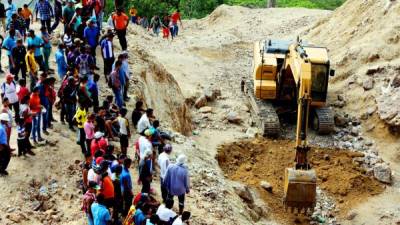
[137, 113]
[165, 212]
[141, 213]
[144, 122]
[153, 220]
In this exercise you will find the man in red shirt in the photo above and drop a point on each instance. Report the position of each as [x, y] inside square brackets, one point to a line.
[120, 22]
[176, 16]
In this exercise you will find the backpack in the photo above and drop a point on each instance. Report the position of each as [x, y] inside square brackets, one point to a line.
[84, 64]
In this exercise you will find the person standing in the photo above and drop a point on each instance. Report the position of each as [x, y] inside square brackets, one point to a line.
[126, 186]
[89, 130]
[68, 13]
[91, 34]
[177, 181]
[57, 14]
[101, 215]
[116, 84]
[9, 91]
[46, 49]
[107, 52]
[36, 111]
[5, 151]
[146, 171]
[80, 118]
[12, 9]
[164, 162]
[37, 42]
[8, 44]
[31, 66]
[121, 22]
[18, 56]
[69, 100]
[43, 7]
[88, 199]
[155, 24]
[3, 16]
[27, 15]
[61, 62]
[176, 16]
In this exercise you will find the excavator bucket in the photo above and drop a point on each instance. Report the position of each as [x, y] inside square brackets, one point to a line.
[300, 190]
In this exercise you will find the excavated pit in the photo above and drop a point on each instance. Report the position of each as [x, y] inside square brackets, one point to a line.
[253, 161]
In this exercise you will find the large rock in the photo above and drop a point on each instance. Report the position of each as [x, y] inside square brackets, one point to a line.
[383, 173]
[201, 102]
[233, 117]
[206, 109]
[244, 193]
[266, 186]
[368, 84]
[212, 93]
[341, 121]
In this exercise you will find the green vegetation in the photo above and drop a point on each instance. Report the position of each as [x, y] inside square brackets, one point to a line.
[200, 8]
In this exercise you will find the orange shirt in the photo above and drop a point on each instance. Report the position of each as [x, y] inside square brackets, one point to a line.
[34, 103]
[26, 13]
[108, 188]
[120, 21]
[175, 17]
[85, 2]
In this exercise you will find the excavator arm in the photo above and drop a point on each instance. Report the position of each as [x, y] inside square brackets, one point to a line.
[300, 181]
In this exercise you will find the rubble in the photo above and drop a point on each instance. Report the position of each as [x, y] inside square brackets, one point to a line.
[383, 173]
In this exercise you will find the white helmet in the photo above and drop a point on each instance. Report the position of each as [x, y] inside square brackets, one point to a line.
[4, 117]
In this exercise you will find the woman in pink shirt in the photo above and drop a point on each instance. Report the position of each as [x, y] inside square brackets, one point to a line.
[89, 130]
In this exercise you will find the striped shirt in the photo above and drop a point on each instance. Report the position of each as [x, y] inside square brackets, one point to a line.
[45, 10]
[107, 49]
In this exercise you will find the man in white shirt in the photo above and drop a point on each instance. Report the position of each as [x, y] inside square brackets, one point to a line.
[183, 219]
[144, 122]
[9, 90]
[163, 162]
[145, 143]
[165, 211]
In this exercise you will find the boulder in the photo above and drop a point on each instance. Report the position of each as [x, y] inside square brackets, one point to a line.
[266, 186]
[233, 117]
[244, 193]
[206, 109]
[368, 84]
[383, 173]
[251, 132]
[341, 121]
[200, 102]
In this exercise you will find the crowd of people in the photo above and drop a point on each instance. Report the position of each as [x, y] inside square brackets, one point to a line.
[32, 92]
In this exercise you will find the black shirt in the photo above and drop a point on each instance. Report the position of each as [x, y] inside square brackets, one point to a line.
[69, 94]
[100, 124]
[19, 54]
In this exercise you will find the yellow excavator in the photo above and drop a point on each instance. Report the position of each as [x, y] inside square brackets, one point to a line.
[292, 77]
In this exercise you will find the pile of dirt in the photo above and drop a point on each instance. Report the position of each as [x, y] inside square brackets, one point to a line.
[363, 40]
[252, 162]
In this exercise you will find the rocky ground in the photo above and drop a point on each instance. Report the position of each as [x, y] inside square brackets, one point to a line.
[193, 83]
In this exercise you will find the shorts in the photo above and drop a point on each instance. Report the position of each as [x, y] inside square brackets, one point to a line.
[123, 140]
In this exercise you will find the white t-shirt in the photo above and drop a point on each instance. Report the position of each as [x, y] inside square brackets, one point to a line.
[144, 144]
[123, 124]
[165, 214]
[91, 175]
[10, 92]
[178, 221]
[163, 162]
[143, 124]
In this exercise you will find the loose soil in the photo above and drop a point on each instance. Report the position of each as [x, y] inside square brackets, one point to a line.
[251, 162]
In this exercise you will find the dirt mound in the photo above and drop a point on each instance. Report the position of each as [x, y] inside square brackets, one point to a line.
[251, 162]
[363, 40]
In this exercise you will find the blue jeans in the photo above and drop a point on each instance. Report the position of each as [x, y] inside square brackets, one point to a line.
[176, 30]
[36, 126]
[46, 117]
[118, 97]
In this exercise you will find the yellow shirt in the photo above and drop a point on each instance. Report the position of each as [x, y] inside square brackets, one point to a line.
[80, 117]
[31, 64]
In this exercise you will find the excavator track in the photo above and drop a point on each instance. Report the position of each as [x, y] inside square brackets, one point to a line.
[325, 120]
[263, 111]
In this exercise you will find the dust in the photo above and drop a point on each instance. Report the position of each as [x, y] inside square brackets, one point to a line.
[251, 162]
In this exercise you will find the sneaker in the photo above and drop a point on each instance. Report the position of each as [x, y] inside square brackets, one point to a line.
[53, 120]
[4, 173]
[30, 152]
[62, 122]
[40, 140]
[45, 132]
